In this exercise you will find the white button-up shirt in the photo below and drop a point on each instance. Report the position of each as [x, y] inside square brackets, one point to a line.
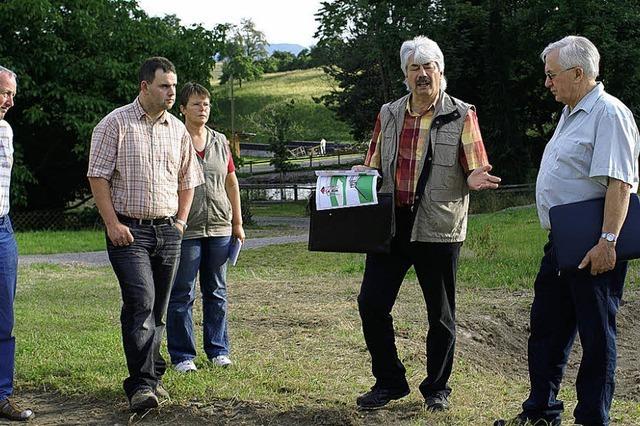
[6, 162]
[598, 139]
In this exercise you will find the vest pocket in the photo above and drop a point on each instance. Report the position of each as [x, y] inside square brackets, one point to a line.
[445, 195]
[445, 154]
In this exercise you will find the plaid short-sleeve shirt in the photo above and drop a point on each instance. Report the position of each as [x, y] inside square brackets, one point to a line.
[413, 138]
[6, 162]
[146, 162]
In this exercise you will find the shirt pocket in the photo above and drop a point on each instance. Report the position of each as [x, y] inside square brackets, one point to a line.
[573, 159]
[6, 153]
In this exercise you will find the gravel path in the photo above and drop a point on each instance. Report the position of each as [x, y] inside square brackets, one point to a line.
[100, 258]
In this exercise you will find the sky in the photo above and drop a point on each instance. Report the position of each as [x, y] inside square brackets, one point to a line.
[282, 21]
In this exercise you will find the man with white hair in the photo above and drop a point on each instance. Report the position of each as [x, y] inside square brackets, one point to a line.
[428, 148]
[592, 154]
[8, 256]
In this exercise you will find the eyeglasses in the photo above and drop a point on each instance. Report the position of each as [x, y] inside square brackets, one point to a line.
[551, 75]
[430, 67]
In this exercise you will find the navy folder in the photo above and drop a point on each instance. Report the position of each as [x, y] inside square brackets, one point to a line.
[576, 228]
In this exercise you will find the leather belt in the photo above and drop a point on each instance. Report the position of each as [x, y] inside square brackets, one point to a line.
[149, 222]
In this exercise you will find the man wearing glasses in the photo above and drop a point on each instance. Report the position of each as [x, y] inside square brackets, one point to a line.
[8, 256]
[592, 154]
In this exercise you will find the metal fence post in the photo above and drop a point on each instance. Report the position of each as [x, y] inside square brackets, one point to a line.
[250, 167]
[310, 160]
[295, 192]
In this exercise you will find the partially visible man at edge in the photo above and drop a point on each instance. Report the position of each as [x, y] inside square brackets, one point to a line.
[593, 153]
[142, 172]
[425, 127]
[8, 256]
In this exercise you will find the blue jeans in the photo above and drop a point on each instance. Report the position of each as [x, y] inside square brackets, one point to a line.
[566, 304]
[145, 269]
[209, 257]
[8, 278]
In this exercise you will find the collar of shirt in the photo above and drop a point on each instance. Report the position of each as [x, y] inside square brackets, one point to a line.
[140, 113]
[415, 114]
[588, 101]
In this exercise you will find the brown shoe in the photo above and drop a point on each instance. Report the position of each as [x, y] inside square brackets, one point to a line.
[143, 399]
[10, 410]
[161, 392]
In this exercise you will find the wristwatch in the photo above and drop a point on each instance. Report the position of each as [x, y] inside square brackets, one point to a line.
[609, 236]
[184, 224]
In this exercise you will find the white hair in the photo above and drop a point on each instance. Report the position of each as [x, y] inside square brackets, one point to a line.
[8, 71]
[575, 51]
[423, 50]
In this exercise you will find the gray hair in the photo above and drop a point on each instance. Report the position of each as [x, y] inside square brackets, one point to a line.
[8, 71]
[575, 51]
[424, 50]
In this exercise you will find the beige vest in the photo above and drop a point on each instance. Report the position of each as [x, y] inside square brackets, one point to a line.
[441, 214]
[210, 214]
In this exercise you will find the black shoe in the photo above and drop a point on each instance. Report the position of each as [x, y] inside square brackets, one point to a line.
[437, 402]
[379, 397]
[522, 420]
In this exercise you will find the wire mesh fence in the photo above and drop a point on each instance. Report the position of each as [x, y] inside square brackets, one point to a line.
[88, 218]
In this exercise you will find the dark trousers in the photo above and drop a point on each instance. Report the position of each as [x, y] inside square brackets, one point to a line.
[145, 269]
[435, 265]
[564, 304]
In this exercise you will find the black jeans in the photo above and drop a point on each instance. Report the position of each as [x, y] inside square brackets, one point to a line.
[145, 269]
[564, 304]
[435, 265]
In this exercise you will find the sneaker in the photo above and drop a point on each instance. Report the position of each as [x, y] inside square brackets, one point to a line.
[161, 392]
[437, 402]
[378, 397]
[143, 399]
[221, 360]
[523, 420]
[185, 366]
[10, 410]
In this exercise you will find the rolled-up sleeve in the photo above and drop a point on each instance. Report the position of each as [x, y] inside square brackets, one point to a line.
[104, 149]
[472, 152]
[191, 174]
[372, 158]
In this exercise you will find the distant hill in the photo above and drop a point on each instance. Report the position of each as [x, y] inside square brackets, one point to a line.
[315, 120]
[285, 47]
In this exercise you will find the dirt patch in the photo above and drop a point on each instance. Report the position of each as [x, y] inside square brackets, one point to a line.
[492, 333]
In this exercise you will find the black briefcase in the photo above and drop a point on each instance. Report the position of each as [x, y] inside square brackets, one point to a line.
[362, 229]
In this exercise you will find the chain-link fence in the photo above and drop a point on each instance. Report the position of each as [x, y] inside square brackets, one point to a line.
[88, 218]
[55, 219]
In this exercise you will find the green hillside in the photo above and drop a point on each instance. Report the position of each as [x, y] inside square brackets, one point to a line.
[316, 120]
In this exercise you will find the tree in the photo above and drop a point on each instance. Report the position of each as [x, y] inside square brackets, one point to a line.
[278, 122]
[76, 61]
[245, 47]
[491, 50]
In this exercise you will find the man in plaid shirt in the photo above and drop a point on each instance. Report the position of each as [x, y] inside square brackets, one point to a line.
[142, 172]
[8, 256]
[425, 132]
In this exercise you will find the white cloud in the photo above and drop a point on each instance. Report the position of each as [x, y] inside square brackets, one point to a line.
[282, 21]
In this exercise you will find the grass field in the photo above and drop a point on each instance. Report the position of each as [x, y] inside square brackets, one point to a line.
[295, 332]
[316, 120]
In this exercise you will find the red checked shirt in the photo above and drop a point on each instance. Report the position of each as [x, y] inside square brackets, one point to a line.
[413, 138]
[146, 162]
